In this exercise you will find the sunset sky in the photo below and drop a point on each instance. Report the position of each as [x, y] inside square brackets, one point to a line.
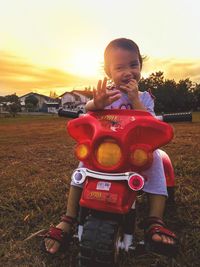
[58, 45]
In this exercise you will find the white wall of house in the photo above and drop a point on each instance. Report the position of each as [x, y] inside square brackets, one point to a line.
[52, 110]
[73, 100]
[67, 98]
[83, 98]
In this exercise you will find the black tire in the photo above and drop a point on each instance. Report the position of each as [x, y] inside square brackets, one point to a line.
[98, 243]
[79, 113]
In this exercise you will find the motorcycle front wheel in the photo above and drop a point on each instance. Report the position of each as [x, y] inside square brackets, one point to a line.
[98, 243]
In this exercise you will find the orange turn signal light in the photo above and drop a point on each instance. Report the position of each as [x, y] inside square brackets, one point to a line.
[82, 151]
[140, 157]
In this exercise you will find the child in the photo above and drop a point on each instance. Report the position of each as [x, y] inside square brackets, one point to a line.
[122, 64]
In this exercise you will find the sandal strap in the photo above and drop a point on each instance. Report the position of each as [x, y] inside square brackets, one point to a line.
[160, 230]
[68, 219]
[153, 220]
[56, 234]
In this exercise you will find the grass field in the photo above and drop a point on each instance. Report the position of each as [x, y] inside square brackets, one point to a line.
[36, 161]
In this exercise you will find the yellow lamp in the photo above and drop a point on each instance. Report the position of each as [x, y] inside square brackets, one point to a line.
[108, 153]
[82, 151]
[139, 157]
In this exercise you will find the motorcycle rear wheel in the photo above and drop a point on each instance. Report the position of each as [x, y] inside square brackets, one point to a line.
[98, 243]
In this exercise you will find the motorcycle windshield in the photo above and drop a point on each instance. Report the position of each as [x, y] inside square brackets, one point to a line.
[111, 139]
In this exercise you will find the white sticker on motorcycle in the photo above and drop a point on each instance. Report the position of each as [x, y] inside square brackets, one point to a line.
[103, 186]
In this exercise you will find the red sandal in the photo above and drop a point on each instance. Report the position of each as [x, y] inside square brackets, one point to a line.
[57, 234]
[159, 228]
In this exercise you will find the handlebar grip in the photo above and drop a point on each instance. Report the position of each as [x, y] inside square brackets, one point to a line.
[67, 114]
[175, 117]
[62, 113]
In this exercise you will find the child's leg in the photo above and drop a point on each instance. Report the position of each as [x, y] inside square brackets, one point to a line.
[156, 209]
[156, 205]
[52, 246]
[73, 201]
[156, 189]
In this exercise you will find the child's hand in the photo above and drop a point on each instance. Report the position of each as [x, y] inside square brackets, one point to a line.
[131, 89]
[102, 97]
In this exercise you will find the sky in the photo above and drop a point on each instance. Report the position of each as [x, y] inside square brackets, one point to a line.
[58, 45]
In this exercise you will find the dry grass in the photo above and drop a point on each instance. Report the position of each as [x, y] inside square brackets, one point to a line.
[36, 162]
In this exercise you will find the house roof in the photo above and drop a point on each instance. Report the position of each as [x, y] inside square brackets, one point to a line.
[47, 98]
[31, 93]
[86, 93]
[64, 94]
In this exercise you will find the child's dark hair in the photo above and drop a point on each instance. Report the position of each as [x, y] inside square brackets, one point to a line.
[120, 43]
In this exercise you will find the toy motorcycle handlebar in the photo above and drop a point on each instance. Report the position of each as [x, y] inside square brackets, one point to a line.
[173, 117]
[176, 117]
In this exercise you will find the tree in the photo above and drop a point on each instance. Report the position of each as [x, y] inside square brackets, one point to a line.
[12, 98]
[11, 104]
[87, 88]
[165, 96]
[13, 108]
[53, 94]
[153, 82]
[196, 98]
[171, 96]
[2, 99]
[31, 102]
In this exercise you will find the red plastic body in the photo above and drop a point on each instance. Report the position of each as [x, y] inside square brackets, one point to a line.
[129, 129]
[118, 199]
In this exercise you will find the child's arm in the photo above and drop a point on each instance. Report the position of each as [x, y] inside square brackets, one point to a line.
[138, 105]
[102, 97]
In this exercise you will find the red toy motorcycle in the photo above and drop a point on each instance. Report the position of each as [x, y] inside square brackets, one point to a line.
[115, 147]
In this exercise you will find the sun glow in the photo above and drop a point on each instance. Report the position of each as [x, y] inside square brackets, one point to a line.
[84, 64]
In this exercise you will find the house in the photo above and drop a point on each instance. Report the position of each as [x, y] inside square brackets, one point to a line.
[1, 107]
[45, 103]
[75, 99]
[52, 107]
[73, 103]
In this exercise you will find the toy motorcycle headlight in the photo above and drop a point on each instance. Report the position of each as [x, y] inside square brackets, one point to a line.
[108, 153]
[82, 151]
[140, 156]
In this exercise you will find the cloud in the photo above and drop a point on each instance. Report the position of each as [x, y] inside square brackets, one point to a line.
[176, 69]
[18, 75]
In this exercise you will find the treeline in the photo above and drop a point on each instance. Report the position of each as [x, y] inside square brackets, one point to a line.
[11, 103]
[171, 96]
[14, 104]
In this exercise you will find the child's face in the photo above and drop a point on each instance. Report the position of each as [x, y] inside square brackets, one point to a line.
[124, 66]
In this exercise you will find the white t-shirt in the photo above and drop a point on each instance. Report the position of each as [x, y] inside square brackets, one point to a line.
[124, 102]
